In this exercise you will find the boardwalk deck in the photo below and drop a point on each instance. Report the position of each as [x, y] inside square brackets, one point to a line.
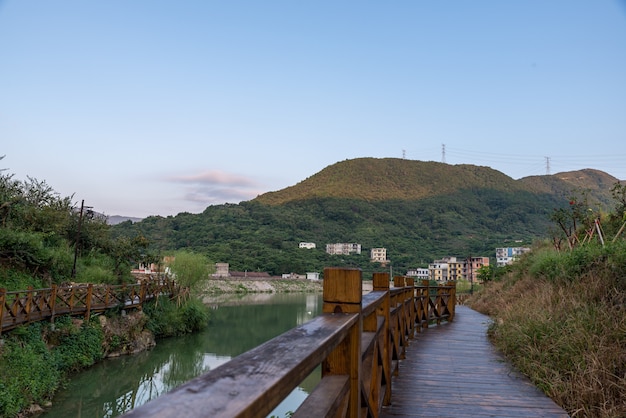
[452, 370]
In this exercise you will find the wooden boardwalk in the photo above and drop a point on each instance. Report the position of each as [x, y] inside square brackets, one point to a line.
[452, 370]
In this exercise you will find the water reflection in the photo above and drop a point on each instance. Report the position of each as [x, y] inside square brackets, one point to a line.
[115, 386]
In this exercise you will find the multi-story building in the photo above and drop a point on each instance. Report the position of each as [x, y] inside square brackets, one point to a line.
[379, 255]
[471, 267]
[418, 273]
[307, 245]
[452, 268]
[343, 248]
[508, 255]
[439, 271]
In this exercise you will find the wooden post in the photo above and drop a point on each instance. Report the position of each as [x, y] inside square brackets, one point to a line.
[343, 293]
[380, 282]
[53, 301]
[29, 302]
[142, 294]
[426, 303]
[452, 301]
[412, 313]
[88, 301]
[398, 281]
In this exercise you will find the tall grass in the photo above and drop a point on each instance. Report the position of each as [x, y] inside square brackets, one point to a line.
[561, 319]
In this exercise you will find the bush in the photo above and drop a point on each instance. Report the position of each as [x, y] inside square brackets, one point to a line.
[24, 249]
[79, 344]
[95, 274]
[194, 314]
[166, 319]
[28, 372]
[61, 262]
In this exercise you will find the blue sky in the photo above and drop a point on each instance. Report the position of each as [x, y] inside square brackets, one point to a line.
[155, 107]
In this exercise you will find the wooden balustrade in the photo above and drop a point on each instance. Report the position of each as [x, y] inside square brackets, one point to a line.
[23, 307]
[358, 340]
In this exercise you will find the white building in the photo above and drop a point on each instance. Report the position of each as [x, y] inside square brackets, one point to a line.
[419, 273]
[439, 271]
[343, 248]
[508, 255]
[307, 245]
[378, 255]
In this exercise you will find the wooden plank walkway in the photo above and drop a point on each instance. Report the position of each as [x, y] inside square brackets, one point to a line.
[452, 370]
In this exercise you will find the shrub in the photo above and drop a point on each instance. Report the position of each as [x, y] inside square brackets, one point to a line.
[28, 372]
[79, 344]
[194, 314]
[167, 319]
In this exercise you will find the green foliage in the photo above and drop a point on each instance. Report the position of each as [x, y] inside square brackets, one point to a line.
[23, 249]
[79, 346]
[194, 314]
[41, 233]
[28, 373]
[96, 267]
[17, 279]
[190, 269]
[167, 319]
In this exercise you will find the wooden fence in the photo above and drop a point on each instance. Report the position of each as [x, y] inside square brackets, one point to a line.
[26, 306]
[358, 340]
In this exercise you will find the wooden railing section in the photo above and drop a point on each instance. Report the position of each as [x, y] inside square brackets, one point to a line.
[26, 306]
[358, 340]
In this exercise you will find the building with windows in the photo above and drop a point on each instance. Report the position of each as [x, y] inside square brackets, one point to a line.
[379, 255]
[343, 248]
[471, 267]
[508, 255]
[307, 245]
[454, 268]
[418, 274]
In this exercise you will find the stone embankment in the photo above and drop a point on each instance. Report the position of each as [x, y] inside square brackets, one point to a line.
[218, 286]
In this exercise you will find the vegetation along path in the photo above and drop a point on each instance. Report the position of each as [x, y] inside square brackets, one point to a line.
[452, 370]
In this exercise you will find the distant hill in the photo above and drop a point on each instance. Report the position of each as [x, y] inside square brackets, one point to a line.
[116, 219]
[374, 179]
[419, 211]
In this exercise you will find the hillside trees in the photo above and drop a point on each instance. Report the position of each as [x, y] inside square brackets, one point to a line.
[39, 235]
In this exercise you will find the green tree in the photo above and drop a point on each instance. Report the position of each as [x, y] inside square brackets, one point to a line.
[486, 273]
[190, 269]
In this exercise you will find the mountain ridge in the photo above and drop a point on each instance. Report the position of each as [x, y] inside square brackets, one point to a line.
[419, 211]
[373, 179]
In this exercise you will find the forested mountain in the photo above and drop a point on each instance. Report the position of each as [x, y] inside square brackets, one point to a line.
[419, 211]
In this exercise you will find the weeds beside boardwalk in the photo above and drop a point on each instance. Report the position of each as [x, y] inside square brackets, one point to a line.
[561, 319]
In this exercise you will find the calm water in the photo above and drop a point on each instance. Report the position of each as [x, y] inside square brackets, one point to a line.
[115, 386]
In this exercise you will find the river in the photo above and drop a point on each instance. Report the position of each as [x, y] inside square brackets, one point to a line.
[238, 324]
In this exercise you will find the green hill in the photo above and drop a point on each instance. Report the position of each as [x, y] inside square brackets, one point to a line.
[419, 211]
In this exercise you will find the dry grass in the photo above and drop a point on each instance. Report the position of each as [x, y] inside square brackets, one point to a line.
[567, 333]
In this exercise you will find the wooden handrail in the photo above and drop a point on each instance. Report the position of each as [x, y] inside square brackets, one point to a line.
[26, 306]
[357, 340]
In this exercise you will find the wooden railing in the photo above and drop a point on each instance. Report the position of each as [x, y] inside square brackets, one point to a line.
[26, 306]
[358, 340]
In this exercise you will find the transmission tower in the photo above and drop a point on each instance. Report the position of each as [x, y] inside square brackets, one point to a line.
[548, 165]
[443, 153]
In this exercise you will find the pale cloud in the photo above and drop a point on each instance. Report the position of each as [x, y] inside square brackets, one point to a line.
[215, 177]
[217, 187]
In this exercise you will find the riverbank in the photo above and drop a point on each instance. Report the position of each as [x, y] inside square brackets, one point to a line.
[219, 286]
